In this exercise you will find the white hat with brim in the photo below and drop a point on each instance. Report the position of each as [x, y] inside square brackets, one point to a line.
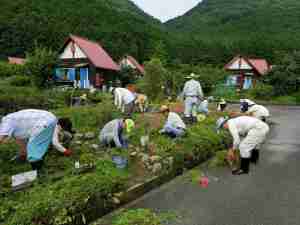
[249, 102]
[191, 76]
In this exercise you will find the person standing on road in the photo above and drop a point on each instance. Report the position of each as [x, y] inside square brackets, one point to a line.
[254, 131]
[34, 130]
[174, 126]
[193, 95]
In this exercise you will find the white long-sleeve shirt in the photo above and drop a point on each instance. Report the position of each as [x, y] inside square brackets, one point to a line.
[258, 111]
[175, 121]
[123, 96]
[192, 88]
[28, 123]
[111, 132]
[240, 126]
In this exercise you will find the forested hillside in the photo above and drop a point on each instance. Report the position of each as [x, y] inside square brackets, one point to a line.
[119, 25]
[255, 27]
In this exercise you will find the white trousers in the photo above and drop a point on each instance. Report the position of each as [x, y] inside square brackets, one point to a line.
[254, 139]
[191, 106]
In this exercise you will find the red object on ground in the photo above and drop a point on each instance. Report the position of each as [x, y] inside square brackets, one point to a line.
[204, 181]
[68, 152]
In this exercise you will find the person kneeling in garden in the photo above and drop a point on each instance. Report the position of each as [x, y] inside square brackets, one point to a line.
[112, 133]
[255, 132]
[174, 126]
[34, 130]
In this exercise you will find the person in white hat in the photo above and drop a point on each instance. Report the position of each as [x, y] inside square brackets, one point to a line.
[250, 108]
[254, 131]
[174, 126]
[192, 94]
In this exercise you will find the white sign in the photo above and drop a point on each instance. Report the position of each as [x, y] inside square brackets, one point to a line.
[23, 178]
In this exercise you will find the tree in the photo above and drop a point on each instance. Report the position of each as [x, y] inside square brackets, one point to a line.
[153, 81]
[40, 65]
[285, 77]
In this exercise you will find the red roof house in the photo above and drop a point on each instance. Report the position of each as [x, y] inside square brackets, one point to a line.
[15, 60]
[85, 63]
[129, 61]
[244, 72]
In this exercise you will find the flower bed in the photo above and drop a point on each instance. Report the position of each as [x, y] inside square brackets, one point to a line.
[62, 196]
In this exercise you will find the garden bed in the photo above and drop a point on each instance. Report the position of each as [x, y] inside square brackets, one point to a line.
[62, 196]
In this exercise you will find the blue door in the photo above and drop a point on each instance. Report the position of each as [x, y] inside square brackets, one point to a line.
[84, 78]
[71, 74]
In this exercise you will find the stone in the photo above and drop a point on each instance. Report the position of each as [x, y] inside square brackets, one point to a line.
[155, 158]
[116, 200]
[133, 154]
[145, 158]
[157, 167]
[171, 161]
[89, 135]
[79, 136]
[95, 146]
[78, 142]
[119, 194]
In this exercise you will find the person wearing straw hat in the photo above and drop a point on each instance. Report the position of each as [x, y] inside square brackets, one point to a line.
[254, 131]
[192, 94]
[112, 133]
[174, 126]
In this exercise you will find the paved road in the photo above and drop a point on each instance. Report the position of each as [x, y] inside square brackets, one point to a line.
[270, 195]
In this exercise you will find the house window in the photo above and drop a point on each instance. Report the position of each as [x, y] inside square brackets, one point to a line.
[61, 74]
[231, 80]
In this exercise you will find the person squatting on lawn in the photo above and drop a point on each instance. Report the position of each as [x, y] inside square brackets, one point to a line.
[250, 108]
[174, 126]
[124, 100]
[254, 132]
[192, 95]
[112, 134]
[34, 130]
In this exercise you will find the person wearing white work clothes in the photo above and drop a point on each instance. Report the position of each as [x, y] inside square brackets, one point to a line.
[192, 94]
[251, 108]
[254, 131]
[174, 126]
[124, 100]
[34, 130]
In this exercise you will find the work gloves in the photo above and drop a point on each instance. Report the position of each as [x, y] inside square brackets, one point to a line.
[68, 152]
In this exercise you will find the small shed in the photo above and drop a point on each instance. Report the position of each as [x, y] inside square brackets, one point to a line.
[244, 71]
[16, 61]
[131, 62]
[85, 63]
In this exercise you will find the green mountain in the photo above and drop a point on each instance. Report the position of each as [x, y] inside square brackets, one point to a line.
[119, 25]
[254, 27]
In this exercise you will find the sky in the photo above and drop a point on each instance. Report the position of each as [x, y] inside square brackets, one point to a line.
[166, 9]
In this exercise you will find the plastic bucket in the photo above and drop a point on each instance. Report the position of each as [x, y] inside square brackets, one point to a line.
[119, 161]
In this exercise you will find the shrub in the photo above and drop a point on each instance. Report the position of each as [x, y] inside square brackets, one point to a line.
[138, 216]
[262, 91]
[90, 118]
[153, 80]
[58, 203]
[8, 70]
[20, 81]
[40, 65]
